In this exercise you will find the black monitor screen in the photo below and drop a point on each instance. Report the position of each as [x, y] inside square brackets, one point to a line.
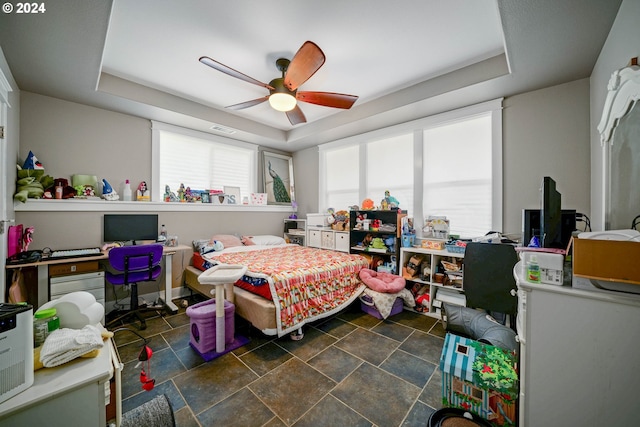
[531, 225]
[551, 215]
[130, 227]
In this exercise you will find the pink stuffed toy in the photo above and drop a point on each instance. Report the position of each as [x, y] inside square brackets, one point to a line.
[381, 281]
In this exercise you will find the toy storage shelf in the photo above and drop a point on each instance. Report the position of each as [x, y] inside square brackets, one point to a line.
[356, 236]
[295, 231]
[437, 290]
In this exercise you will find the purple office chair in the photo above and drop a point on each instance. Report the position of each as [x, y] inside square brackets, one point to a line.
[133, 264]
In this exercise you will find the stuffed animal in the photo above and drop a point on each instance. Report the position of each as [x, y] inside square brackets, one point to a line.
[413, 266]
[108, 193]
[378, 243]
[367, 204]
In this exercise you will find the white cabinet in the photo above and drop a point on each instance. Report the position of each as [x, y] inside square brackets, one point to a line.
[342, 241]
[314, 238]
[89, 282]
[327, 238]
[578, 355]
[295, 231]
[441, 287]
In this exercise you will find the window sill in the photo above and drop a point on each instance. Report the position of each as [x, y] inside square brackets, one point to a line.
[101, 205]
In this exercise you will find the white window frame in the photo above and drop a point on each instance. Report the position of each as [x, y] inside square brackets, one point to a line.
[417, 127]
[157, 188]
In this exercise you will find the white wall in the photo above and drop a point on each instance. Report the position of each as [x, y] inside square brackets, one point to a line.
[70, 138]
[546, 133]
[621, 45]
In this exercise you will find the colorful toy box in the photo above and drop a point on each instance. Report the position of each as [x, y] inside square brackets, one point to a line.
[479, 378]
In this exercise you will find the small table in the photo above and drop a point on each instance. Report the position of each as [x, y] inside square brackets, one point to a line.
[218, 276]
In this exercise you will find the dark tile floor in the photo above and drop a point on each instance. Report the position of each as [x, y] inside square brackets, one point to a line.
[348, 370]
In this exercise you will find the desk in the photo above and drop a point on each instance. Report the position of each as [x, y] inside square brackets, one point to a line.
[43, 272]
[73, 394]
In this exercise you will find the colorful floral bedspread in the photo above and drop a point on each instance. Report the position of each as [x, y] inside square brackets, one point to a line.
[306, 283]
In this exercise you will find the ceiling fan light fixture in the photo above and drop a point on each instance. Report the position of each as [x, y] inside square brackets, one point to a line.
[282, 101]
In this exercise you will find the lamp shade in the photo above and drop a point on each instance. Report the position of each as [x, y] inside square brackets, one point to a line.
[282, 101]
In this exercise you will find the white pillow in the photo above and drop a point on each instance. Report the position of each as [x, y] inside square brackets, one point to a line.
[267, 240]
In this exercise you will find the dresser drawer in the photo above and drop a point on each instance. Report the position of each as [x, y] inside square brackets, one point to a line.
[342, 241]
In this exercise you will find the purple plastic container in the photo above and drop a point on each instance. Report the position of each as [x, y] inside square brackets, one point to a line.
[372, 310]
[203, 325]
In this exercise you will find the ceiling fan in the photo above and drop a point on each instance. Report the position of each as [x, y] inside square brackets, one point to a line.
[283, 91]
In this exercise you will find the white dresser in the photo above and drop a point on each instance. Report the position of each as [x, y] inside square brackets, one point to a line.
[579, 355]
[73, 394]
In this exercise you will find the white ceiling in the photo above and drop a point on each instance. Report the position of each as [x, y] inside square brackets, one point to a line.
[404, 59]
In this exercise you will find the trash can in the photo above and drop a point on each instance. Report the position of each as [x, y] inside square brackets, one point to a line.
[203, 325]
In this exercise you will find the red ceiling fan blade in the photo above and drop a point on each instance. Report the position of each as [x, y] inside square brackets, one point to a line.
[304, 64]
[328, 99]
[231, 72]
[248, 104]
[296, 116]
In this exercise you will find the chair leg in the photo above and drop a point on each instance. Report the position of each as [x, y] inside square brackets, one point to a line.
[133, 310]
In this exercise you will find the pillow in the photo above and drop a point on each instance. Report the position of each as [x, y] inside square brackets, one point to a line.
[227, 240]
[266, 240]
[247, 241]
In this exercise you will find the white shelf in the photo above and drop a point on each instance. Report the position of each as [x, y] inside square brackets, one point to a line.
[435, 256]
[101, 205]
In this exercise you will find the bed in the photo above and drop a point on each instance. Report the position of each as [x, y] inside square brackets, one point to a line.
[286, 286]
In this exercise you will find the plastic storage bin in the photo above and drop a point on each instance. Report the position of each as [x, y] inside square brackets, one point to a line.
[366, 304]
[203, 325]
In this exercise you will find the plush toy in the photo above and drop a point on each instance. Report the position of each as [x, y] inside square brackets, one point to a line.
[368, 238]
[359, 221]
[32, 162]
[378, 243]
[422, 303]
[413, 266]
[390, 242]
[367, 204]
[108, 193]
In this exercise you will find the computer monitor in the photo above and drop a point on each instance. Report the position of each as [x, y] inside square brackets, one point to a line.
[531, 225]
[130, 227]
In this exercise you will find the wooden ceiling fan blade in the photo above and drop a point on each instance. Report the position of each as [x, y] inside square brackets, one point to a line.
[248, 104]
[328, 99]
[231, 72]
[296, 116]
[307, 60]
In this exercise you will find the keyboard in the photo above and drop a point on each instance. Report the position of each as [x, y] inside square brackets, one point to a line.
[74, 253]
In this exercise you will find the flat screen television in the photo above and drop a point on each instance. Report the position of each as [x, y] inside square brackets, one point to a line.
[550, 215]
[130, 228]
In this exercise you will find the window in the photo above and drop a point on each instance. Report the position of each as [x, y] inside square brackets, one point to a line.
[393, 155]
[457, 176]
[448, 164]
[200, 161]
[342, 177]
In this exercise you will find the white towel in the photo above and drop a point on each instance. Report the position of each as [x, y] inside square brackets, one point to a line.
[64, 345]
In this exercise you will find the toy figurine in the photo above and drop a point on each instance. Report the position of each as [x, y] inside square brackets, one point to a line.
[391, 201]
[181, 193]
[108, 193]
[142, 194]
[169, 196]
